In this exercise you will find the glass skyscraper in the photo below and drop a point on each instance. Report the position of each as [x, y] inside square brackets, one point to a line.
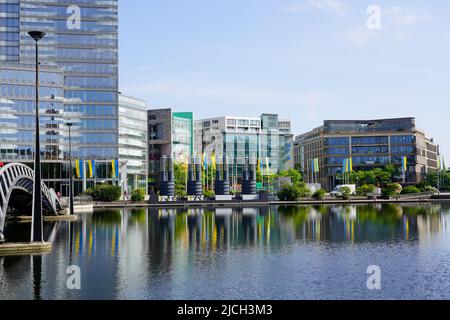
[81, 42]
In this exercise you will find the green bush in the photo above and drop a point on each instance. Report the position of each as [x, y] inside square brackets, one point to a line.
[392, 189]
[104, 193]
[305, 192]
[209, 194]
[364, 190]
[290, 192]
[319, 194]
[410, 190]
[346, 192]
[138, 195]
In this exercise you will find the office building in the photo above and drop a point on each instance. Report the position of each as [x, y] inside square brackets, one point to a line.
[370, 144]
[169, 134]
[266, 138]
[133, 142]
[17, 118]
[82, 42]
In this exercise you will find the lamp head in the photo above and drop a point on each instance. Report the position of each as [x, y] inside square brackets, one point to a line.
[69, 124]
[36, 35]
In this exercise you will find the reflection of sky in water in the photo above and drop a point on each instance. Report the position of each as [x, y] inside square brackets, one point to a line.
[280, 252]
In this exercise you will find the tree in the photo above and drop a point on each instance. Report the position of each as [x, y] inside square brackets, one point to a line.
[410, 190]
[138, 195]
[392, 189]
[382, 177]
[295, 175]
[345, 193]
[432, 179]
[105, 193]
[364, 190]
[291, 192]
[319, 194]
[180, 175]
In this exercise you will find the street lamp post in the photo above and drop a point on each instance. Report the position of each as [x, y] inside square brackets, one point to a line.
[37, 225]
[69, 125]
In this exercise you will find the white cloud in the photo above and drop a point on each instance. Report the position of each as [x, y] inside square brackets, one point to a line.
[396, 26]
[401, 18]
[326, 6]
[361, 37]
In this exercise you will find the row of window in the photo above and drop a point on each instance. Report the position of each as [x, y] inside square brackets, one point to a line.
[370, 140]
[9, 8]
[92, 96]
[9, 51]
[9, 22]
[92, 110]
[62, 11]
[370, 150]
[380, 140]
[95, 68]
[20, 91]
[91, 82]
[9, 36]
[45, 78]
[62, 25]
[50, 153]
[344, 141]
[403, 140]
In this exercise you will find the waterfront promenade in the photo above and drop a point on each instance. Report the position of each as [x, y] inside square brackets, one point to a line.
[237, 203]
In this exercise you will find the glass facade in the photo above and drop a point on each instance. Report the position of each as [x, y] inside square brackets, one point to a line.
[371, 144]
[182, 136]
[81, 42]
[169, 133]
[265, 138]
[9, 30]
[87, 52]
[133, 141]
[17, 113]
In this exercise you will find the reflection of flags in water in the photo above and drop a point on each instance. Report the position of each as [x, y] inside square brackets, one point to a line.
[267, 166]
[259, 167]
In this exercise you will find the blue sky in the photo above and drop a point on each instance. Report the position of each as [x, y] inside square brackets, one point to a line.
[308, 60]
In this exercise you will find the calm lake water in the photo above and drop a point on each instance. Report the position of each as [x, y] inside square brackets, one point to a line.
[304, 252]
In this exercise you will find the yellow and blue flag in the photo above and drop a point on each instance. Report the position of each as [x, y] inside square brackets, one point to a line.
[79, 169]
[405, 164]
[115, 169]
[91, 167]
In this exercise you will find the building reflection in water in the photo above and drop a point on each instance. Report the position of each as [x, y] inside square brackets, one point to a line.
[131, 245]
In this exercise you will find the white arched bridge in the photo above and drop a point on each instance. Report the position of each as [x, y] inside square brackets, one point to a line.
[16, 193]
